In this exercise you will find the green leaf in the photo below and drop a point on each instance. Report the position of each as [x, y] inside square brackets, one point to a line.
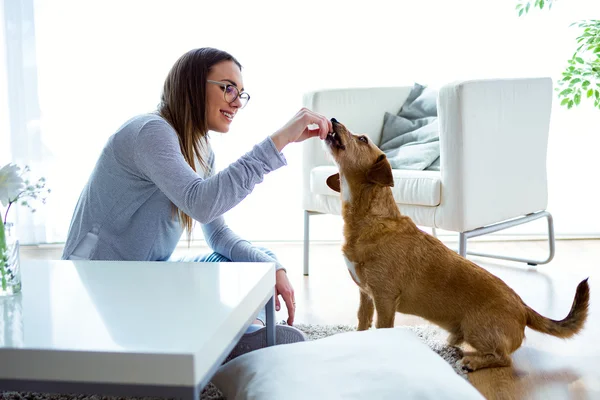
[597, 94]
[566, 92]
[541, 4]
[521, 11]
[590, 93]
[519, 6]
[574, 81]
[579, 60]
[527, 7]
[564, 101]
[577, 98]
[585, 84]
[570, 104]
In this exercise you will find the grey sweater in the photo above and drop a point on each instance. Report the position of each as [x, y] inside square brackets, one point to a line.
[125, 210]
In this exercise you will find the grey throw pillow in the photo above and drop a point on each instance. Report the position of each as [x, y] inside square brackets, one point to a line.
[410, 139]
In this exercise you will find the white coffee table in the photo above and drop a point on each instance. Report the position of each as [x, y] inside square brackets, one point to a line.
[131, 329]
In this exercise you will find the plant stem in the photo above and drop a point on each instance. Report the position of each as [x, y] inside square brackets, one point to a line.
[3, 256]
[6, 213]
[3, 273]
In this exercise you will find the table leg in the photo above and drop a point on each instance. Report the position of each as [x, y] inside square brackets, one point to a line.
[270, 316]
[193, 394]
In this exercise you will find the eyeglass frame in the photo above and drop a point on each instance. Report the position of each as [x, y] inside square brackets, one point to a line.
[225, 85]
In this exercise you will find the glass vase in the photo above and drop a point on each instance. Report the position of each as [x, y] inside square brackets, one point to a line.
[10, 263]
[11, 322]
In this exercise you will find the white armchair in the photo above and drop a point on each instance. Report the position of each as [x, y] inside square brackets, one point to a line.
[493, 144]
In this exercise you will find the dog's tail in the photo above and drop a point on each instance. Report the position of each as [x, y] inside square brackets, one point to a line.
[572, 323]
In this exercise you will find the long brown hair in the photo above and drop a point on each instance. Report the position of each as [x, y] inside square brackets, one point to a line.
[183, 105]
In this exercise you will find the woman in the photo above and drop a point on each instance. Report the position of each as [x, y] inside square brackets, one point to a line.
[156, 174]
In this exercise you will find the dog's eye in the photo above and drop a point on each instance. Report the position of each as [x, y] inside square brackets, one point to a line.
[363, 139]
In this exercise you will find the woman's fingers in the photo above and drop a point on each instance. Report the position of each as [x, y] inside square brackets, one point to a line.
[304, 125]
[288, 297]
[313, 119]
[277, 304]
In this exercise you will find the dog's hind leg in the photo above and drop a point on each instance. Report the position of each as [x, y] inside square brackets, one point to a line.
[493, 348]
[365, 312]
[386, 311]
[481, 360]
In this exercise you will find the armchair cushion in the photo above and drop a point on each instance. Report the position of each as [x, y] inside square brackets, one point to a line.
[421, 188]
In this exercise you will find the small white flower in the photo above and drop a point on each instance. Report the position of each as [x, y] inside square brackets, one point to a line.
[11, 183]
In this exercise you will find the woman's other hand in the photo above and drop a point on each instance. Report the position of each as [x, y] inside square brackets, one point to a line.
[297, 129]
[284, 288]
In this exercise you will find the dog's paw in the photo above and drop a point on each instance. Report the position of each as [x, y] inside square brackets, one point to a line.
[468, 364]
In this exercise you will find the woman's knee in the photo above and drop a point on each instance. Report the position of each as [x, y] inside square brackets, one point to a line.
[215, 257]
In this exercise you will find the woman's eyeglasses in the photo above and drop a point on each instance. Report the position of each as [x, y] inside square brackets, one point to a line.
[231, 93]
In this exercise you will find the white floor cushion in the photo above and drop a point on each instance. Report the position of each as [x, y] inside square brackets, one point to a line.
[376, 364]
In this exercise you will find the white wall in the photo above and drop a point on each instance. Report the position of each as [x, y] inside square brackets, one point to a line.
[101, 62]
[4, 127]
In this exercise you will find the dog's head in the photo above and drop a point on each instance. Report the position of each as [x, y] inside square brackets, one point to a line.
[357, 158]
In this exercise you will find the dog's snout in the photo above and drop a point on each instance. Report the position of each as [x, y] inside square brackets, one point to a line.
[334, 121]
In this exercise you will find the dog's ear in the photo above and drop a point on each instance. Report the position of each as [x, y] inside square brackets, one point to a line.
[334, 182]
[381, 172]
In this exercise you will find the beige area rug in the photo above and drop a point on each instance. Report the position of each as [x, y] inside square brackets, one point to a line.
[433, 336]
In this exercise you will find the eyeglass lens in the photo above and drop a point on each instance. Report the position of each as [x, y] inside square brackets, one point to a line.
[232, 93]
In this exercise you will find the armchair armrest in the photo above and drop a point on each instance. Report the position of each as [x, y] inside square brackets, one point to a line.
[493, 145]
[360, 109]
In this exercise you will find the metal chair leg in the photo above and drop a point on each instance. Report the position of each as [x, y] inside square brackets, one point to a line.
[462, 244]
[463, 236]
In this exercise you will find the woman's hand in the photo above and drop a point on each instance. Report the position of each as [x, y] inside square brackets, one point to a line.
[297, 129]
[284, 288]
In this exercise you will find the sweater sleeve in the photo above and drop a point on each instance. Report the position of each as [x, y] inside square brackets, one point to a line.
[223, 240]
[158, 156]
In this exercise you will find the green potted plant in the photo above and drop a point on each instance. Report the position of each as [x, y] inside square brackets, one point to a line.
[581, 77]
[14, 189]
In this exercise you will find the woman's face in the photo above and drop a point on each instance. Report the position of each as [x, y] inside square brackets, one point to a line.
[219, 112]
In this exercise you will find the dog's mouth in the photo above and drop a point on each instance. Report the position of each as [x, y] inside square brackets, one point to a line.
[334, 139]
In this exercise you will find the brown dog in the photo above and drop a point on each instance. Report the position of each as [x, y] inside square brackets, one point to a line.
[400, 268]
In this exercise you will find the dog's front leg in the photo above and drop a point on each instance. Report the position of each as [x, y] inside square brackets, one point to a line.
[386, 311]
[365, 312]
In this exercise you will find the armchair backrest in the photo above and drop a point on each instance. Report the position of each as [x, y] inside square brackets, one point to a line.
[493, 145]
